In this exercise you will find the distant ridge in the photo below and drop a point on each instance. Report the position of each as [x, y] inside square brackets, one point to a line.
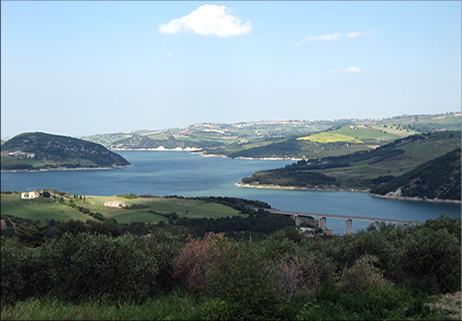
[283, 139]
[38, 151]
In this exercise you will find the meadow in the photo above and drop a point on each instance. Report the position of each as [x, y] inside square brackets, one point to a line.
[48, 209]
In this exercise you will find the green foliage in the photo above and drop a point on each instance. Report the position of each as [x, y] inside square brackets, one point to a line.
[439, 178]
[32, 235]
[24, 273]
[362, 275]
[174, 305]
[245, 279]
[385, 303]
[101, 267]
[431, 258]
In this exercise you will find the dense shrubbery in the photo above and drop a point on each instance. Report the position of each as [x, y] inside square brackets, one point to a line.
[385, 272]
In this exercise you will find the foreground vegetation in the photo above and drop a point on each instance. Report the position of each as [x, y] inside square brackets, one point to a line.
[384, 272]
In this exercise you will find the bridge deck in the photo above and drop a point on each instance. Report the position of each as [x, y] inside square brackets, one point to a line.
[371, 219]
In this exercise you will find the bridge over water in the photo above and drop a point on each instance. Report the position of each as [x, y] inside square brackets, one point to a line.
[322, 219]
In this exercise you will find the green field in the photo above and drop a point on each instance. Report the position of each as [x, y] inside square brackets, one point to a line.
[326, 137]
[39, 208]
[47, 209]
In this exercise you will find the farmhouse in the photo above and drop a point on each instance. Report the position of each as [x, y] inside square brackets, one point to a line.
[29, 195]
[115, 204]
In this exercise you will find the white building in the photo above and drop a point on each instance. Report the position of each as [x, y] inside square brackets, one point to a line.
[29, 195]
[115, 204]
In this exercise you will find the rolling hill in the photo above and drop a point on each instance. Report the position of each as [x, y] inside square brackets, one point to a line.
[293, 139]
[363, 169]
[32, 151]
[436, 179]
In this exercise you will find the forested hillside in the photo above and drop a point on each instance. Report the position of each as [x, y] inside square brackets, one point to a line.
[436, 179]
[46, 151]
[366, 169]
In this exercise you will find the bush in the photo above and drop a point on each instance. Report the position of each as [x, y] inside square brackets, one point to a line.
[431, 260]
[194, 261]
[245, 280]
[165, 248]
[24, 273]
[362, 275]
[102, 267]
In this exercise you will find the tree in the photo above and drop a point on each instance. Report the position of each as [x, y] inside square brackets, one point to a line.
[33, 235]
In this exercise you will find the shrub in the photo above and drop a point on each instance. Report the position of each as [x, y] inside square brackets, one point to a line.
[24, 273]
[431, 260]
[102, 267]
[248, 282]
[362, 275]
[191, 266]
[165, 249]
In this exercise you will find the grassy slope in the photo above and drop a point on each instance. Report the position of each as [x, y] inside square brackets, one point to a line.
[416, 152]
[45, 209]
[39, 208]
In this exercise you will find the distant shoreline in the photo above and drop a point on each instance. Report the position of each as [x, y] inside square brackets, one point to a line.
[297, 188]
[200, 151]
[418, 199]
[59, 169]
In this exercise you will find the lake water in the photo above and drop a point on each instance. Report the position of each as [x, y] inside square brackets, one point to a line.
[185, 174]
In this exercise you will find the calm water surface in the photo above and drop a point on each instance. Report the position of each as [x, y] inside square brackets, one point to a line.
[185, 174]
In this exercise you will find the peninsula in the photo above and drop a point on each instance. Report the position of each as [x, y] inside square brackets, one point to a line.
[41, 151]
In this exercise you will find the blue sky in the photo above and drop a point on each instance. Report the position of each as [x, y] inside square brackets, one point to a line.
[83, 68]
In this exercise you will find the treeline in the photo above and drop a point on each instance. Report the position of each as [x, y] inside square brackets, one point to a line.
[384, 272]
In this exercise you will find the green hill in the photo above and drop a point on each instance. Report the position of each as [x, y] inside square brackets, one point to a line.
[31, 151]
[363, 169]
[283, 138]
[436, 179]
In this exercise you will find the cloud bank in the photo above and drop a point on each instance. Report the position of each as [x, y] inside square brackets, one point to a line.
[337, 35]
[208, 20]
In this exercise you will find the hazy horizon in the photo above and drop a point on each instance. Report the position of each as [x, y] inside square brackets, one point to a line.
[86, 68]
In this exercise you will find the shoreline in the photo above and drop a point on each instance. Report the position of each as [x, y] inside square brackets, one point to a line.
[60, 169]
[417, 199]
[402, 198]
[201, 152]
[298, 188]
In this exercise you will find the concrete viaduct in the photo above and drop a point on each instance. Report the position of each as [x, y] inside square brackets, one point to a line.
[322, 218]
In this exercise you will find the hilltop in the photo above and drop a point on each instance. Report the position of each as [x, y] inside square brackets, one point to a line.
[34, 151]
[288, 139]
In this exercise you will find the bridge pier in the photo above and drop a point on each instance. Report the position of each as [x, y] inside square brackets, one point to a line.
[322, 222]
[296, 219]
[348, 226]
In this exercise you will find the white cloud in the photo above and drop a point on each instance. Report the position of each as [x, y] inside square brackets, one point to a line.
[349, 69]
[355, 34]
[337, 35]
[208, 20]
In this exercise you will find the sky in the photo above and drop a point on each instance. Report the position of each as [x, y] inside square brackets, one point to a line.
[94, 67]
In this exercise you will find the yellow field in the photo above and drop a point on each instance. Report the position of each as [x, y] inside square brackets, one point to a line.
[330, 138]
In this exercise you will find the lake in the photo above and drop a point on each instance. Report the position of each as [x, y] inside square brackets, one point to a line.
[163, 173]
